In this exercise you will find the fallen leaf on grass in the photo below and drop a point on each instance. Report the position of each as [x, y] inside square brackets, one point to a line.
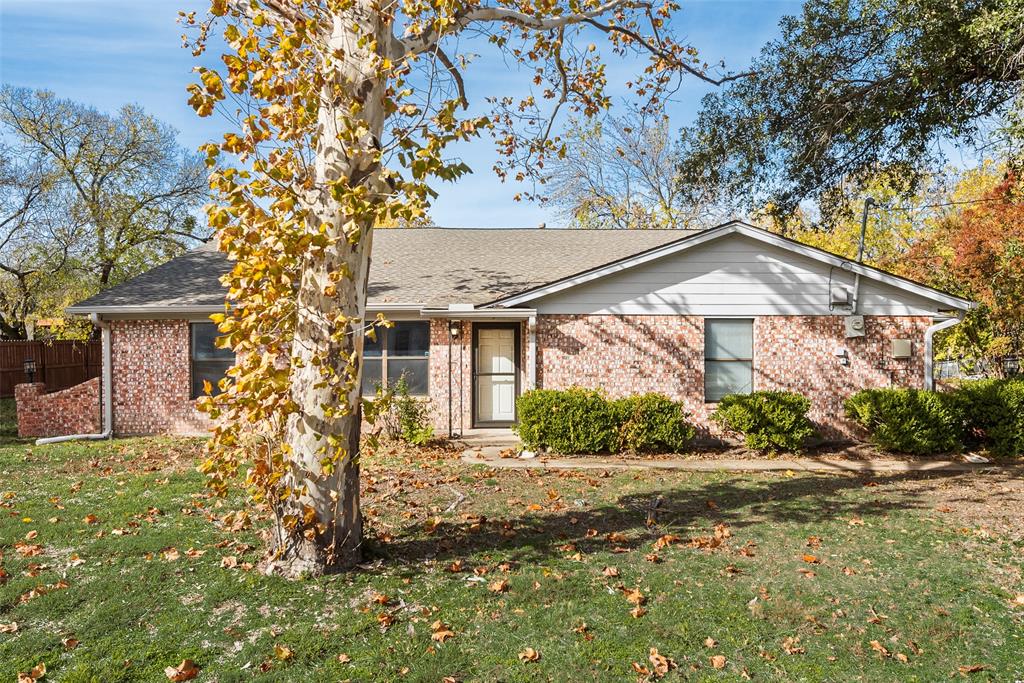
[381, 599]
[665, 541]
[809, 574]
[710, 642]
[229, 562]
[283, 652]
[717, 661]
[75, 560]
[610, 572]
[499, 586]
[900, 657]
[637, 612]
[185, 671]
[37, 672]
[344, 658]
[529, 655]
[31, 535]
[972, 669]
[171, 554]
[811, 559]
[28, 549]
[660, 664]
[69, 643]
[791, 646]
[879, 648]
[633, 595]
[9, 628]
[1018, 600]
[91, 519]
[440, 632]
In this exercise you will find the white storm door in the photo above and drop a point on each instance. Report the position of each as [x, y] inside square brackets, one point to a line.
[496, 375]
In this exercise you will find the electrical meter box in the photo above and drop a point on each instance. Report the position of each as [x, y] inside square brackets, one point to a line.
[854, 326]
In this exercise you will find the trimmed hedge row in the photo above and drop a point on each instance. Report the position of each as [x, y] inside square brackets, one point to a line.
[768, 420]
[585, 421]
[986, 413]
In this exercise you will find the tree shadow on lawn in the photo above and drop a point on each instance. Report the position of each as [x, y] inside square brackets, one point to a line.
[739, 502]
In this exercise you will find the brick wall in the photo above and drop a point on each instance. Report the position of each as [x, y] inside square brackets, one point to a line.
[152, 378]
[75, 410]
[635, 354]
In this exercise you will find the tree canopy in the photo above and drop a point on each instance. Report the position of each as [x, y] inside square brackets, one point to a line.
[852, 86]
[87, 200]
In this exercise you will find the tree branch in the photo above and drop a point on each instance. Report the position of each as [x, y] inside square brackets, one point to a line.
[459, 84]
[654, 49]
[428, 40]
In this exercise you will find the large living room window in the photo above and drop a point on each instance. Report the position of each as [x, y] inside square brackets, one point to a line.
[399, 350]
[728, 357]
[208, 362]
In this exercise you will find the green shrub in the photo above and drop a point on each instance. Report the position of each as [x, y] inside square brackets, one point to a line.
[398, 415]
[652, 423]
[991, 412]
[768, 420]
[907, 420]
[571, 421]
[580, 420]
[413, 416]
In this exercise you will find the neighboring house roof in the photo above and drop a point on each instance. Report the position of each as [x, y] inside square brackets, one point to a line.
[435, 267]
[428, 267]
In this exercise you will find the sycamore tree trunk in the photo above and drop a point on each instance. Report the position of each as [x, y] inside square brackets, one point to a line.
[319, 427]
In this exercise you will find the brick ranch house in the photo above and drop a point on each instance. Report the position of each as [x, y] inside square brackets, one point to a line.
[483, 315]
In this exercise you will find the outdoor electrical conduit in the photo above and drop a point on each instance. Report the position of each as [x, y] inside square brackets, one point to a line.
[106, 391]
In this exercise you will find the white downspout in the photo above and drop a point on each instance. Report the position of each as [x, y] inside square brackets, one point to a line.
[531, 352]
[929, 359]
[106, 391]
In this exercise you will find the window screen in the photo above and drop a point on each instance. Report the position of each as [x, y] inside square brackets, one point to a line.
[208, 362]
[728, 358]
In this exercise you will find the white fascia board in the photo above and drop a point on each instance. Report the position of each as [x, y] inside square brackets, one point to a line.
[480, 313]
[740, 228]
[162, 311]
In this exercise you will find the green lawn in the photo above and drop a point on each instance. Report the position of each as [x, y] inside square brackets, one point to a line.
[810, 577]
[8, 422]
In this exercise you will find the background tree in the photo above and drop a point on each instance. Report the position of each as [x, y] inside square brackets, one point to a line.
[622, 172]
[858, 85]
[129, 185]
[33, 246]
[345, 110]
[978, 252]
[87, 201]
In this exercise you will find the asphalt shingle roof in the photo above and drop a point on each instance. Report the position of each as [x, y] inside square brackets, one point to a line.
[426, 266]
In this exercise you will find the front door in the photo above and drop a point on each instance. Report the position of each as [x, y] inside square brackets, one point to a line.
[495, 371]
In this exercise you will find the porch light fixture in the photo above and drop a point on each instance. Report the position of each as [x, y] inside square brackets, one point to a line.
[454, 328]
[29, 366]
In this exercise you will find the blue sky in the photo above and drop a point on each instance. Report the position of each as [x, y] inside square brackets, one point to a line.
[109, 52]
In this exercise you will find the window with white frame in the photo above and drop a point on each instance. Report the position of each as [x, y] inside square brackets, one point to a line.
[209, 363]
[728, 357]
[403, 349]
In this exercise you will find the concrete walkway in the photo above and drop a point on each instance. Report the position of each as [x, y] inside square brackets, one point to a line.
[490, 457]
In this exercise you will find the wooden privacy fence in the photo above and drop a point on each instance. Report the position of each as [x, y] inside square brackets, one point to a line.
[60, 364]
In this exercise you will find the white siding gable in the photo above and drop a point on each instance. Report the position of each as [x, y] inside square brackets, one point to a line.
[733, 275]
